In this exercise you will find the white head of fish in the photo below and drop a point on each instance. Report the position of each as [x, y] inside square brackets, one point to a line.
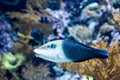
[52, 51]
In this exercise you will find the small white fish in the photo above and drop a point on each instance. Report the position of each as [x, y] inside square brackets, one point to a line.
[68, 51]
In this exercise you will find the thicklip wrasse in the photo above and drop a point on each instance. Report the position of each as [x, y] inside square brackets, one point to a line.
[69, 51]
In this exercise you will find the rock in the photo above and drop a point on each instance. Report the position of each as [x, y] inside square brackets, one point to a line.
[80, 33]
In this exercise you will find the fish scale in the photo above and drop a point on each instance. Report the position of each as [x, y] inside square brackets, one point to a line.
[78, 52]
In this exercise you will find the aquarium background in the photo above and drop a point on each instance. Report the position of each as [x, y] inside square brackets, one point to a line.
[27, 24]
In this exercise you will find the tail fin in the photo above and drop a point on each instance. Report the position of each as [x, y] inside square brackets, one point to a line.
[101, 54]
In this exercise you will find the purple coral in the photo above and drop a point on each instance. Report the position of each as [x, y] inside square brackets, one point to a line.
[6, 41]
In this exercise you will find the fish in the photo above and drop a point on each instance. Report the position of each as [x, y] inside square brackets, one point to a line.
[37, 34]
[62, 51]
[45, 20]
[35, 38]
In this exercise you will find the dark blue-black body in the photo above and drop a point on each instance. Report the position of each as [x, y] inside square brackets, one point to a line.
[78, 52]
[37, 36]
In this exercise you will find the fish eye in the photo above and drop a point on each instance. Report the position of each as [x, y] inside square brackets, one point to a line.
[48, 46]
[52, 46]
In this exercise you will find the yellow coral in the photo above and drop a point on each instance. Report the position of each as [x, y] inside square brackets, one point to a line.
[99, 69]
[12, 62]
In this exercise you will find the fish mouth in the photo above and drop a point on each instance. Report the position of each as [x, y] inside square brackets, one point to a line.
[36, 50]
[37, 55]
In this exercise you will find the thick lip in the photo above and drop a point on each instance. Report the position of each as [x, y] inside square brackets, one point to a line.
[37, 55]
[35, 50]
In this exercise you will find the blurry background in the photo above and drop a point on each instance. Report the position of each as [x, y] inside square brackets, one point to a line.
[27, 24]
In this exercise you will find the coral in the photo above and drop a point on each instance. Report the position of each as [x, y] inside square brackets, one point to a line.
[37, 4]
[99, 69]
[85, 77]
[40, 72]
[6, 42]
[88, 12]
[60, 17]
[28, 19]
[12, 62]
[115, 20]
[80, 33]
[8, 74]
[2, 71]
[116, 3]
[105, 28]
[22, 46]
[107, 31]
